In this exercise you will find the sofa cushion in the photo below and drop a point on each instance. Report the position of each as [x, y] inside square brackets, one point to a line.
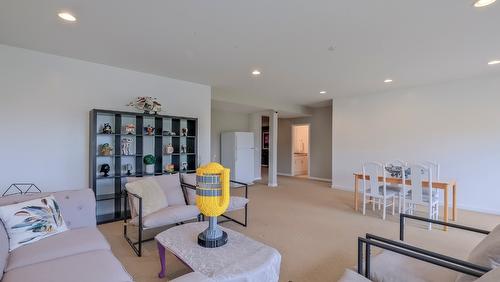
[4, 249]
[64, 244]
[77, 206]
[486, 253]
[351, 276]
[169, 215]
[237, 203]
[153, 197]
[32, 220]
[193, 277]
[392, 267]
[171, 186]
[95, 266]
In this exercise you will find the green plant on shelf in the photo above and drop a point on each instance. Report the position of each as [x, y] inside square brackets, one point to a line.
[149, 159]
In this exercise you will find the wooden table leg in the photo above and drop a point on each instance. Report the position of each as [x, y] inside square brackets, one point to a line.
[161, 252]
[454, 214]
[446, 207]
[356, 193]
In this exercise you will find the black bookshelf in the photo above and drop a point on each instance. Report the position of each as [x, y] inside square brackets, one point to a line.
[109, 189]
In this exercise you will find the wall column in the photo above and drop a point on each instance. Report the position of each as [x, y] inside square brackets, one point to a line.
[273, 149]
[256, 128]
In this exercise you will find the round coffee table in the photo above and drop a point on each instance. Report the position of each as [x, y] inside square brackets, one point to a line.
[241, 259]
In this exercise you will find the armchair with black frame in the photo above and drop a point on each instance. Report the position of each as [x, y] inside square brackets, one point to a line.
[235, 203]
[417, 264]
[178, 211]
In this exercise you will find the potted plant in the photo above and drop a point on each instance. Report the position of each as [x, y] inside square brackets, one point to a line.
[149, 161]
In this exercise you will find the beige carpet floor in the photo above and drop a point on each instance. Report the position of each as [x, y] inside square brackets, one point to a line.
[314, 227]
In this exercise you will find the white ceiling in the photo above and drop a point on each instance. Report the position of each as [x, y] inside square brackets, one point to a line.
[219, 42]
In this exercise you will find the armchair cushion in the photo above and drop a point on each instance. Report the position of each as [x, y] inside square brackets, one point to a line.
[153, 197]
[492, 276]
[486, 253]
[392, 267]
[237, 203]
[168, 215]
[351, 276]
[170, 184]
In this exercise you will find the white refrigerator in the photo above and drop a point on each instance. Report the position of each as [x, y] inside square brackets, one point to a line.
[237, 153]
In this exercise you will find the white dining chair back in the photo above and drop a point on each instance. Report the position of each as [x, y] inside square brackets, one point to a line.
[435, 168]
[418, 195]
[371, 186]
[374, 191]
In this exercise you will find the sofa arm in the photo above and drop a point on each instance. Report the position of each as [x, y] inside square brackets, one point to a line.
[77, 207]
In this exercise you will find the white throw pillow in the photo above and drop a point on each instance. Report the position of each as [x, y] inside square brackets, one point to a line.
[153, 197]
[486, 253]
[30, 221]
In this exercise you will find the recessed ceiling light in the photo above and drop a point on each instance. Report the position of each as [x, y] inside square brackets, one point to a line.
[67, 16]
[495, 62]
[256, 72]
[322, 92]
[388, 80]
[483, 3]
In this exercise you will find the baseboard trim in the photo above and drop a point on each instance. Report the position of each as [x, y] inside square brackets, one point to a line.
[320, 179]
[284, 174]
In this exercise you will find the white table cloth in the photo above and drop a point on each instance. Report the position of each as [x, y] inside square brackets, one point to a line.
[242, 259]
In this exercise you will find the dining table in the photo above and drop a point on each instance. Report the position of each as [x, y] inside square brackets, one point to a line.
[447, 187]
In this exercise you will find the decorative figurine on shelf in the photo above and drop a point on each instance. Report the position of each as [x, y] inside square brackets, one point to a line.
[130, 128]
[183, 149]
[184, 166]
[128, 168]
[149, 161]
[106, 129]
[167, 133]
[169, 149]
[146, 104]
[173, 134]
[105, 170]
[212, 198]
[106, 149]
[125, 146]
[184, 131]
[149, 130]
[170, 168]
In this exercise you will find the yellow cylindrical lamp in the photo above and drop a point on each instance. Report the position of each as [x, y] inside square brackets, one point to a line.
[212, 198]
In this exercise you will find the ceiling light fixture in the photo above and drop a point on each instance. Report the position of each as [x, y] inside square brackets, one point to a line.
[495, 62]
[388, 80]
[322, 92]
[67, 16]
[483, 3]
[256, 72]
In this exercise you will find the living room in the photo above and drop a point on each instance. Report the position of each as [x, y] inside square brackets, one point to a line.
[158, 141]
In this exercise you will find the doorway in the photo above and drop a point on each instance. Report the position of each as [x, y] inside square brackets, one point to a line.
[264, 148]
[300, 150]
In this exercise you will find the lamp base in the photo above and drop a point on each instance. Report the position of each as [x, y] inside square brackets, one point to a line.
[212, 243]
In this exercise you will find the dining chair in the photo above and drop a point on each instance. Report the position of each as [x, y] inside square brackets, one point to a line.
[397, 187]
[373, 191]
[436, 169]
[418, 195]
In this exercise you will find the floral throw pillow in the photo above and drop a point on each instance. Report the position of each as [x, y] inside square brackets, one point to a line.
[30, 221]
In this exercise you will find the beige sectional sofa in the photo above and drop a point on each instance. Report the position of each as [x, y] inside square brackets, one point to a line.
[79, 254]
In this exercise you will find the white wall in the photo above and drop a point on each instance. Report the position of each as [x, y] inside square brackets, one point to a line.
[223, 121]
[456, 124]
[44, 113]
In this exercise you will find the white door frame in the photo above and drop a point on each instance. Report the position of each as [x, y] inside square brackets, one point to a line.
[292, 167]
